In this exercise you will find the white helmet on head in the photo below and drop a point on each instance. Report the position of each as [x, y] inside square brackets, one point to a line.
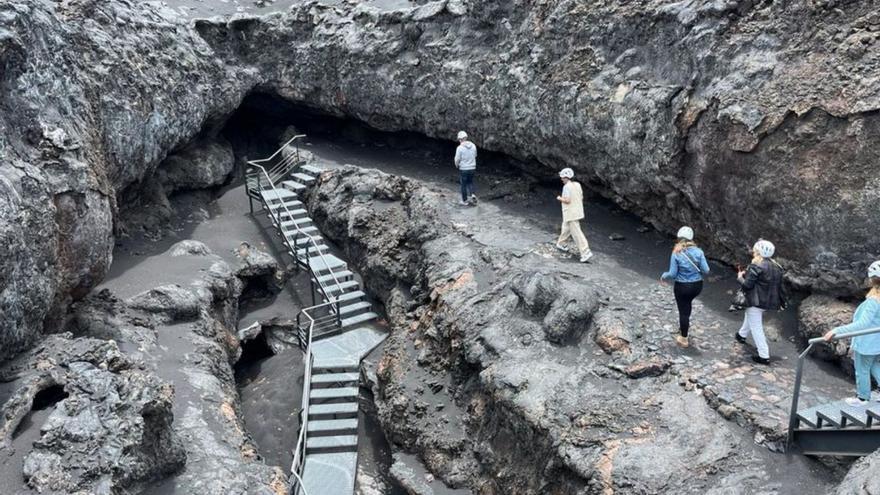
[764, 248]
[874, 269]
[686, 233]
[462, 135]
[566, 173]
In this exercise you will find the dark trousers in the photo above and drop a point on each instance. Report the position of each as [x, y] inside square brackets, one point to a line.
[467, 183]
[685, 293]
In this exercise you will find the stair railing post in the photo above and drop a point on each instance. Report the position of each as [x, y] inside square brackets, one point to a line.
[792, 416]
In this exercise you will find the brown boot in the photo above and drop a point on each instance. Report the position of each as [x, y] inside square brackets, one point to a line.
[682, 341]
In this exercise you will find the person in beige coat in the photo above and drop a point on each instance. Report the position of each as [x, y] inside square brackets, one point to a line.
[572, 200]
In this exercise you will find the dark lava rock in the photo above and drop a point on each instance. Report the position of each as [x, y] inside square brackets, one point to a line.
[110, 428]
[819, 314]
[518, 400]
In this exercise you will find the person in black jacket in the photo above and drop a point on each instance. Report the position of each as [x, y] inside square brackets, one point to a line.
[761, 282]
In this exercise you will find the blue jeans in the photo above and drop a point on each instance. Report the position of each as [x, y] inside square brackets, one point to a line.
[866, 366]
[467, 183]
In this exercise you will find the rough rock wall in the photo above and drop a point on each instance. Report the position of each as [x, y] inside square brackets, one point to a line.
[743, 118]
[93, 95]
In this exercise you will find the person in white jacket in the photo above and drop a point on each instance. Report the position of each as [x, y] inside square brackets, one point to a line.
[466, 163]
[572, 200]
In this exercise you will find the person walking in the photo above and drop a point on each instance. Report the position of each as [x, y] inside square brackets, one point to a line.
[866, 348]
[761, 283]
[466, 163]
[687, 265]
[572, 200]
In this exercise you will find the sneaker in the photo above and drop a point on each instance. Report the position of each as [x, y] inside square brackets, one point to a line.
[464, 203]
[682, 341]
[586, 256]
[761, 360]
[739, 338]
[856, 401]
[474, 198]
[561, 248]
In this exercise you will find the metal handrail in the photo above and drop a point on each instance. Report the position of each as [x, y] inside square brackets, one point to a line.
[310, 240]
[792, 417]
[299, 454]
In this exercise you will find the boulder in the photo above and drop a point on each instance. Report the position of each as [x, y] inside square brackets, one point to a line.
[817, 315]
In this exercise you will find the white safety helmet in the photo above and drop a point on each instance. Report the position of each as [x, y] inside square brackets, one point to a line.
[462, 135]
[686, 233]
[566, 173]
[874, 269]
[764, 248]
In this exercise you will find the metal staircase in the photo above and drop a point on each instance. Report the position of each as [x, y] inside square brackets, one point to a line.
[835, 428]
[325, 459]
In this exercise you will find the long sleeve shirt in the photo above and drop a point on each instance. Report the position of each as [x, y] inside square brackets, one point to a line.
[867, 316]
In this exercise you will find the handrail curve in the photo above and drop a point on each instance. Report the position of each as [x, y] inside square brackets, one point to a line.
[310, 243]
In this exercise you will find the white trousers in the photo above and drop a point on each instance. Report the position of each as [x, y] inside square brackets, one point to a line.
[573, 229]
[753, 323]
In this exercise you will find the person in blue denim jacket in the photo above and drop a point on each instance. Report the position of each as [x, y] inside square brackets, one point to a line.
[687, 265]
[866, 348]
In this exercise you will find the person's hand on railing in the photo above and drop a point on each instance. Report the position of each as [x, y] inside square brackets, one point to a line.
[829, 336]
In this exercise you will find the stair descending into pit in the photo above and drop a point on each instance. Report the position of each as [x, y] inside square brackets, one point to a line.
[339, 341]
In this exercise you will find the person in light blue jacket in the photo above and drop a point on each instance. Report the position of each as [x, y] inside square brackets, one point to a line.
[687, 265]
[866, 348]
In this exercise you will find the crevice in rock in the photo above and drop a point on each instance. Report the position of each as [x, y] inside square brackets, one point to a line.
[253, 352]
[45, 399]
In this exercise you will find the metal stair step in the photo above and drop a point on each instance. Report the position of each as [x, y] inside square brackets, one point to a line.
[354, 308]
[296, 214]
[312, 170]
[303, 178]
[340, 443]
[333, 394]
[357, 319]
[320, 369]
[343, 286]
[336, 410]
[290, 205]
[326, 264]
[313, 250]
[874, 412]
[855, 415]
[808, 417]
[291, 225]
[352, 296]
[293, 186]
[301, 232]
[333, 427]
[830, 414]
[339, 275]
[326, 379]
[276, 194]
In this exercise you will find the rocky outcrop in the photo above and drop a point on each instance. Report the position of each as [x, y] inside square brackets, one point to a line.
[148, 387]
[476, 380]
[817, 315]
[93, 96]
[862, 478]
[110, 425]
[744, 119]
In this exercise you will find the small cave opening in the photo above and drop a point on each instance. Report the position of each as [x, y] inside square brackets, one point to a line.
[48, 397]
[43, 403]
[264, 121]
[253, 353]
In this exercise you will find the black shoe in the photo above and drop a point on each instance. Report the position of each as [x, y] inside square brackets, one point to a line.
[760, 360]
[739, 338]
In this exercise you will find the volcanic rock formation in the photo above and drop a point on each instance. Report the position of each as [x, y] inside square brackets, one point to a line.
[742, 118]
